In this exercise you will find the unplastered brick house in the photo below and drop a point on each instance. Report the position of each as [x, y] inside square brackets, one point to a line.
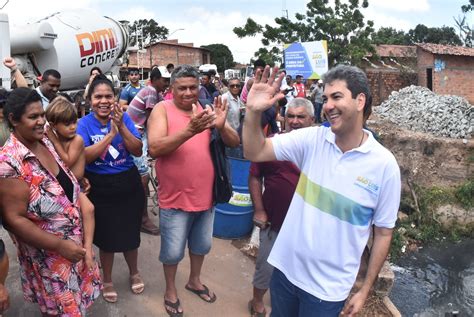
[390, 69]
[446, 69]
[168, 51]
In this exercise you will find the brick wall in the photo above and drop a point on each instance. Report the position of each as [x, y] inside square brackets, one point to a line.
[424, 60]
[162, 54]
[454, 78]
[383, 82]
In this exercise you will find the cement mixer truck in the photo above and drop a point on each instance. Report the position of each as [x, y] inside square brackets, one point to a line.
[71, 42]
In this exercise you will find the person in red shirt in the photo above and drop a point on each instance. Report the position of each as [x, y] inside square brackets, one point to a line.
[280, 179]
[178, 137]
[300, 90]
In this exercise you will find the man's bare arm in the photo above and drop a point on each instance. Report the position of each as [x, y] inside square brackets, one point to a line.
[229, 136]
[378, 254]
[256, 193]
[16, 75]
[257, 148]
[160, 143]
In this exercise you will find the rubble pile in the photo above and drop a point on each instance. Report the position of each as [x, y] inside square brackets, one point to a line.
[419, 109]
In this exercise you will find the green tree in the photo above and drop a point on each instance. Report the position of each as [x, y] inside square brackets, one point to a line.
[270, 57]
[389, 35]
[342, 25]
[468, 7]
[146, 32]
[466, 31]
[438, 35]
[221, 56]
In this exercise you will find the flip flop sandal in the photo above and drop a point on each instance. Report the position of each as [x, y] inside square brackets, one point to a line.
[154, 232]
[108, 293]
[136, 284]
[200, 292]
[175, 306]
[254, 313]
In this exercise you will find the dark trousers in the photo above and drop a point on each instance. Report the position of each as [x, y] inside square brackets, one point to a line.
[318, 107]
[289, 300]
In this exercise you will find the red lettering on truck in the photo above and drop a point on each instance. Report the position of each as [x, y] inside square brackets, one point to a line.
[96, 42]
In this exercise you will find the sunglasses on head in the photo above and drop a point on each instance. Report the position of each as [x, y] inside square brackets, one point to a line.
[234, 86]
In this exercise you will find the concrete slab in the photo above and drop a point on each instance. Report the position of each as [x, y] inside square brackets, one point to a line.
[226, 271]
[383, 285]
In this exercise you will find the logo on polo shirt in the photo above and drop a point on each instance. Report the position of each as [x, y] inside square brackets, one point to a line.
[367, 184]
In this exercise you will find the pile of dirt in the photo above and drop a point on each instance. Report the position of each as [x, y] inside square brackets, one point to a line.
[419, 109]
[428, 160]
[375, 307]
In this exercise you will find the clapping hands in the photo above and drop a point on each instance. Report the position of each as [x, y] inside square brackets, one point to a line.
[201, 121]
[116, 117]
[220, 109]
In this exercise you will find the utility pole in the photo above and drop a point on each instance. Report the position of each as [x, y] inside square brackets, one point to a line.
[285, 14]
[284, 10]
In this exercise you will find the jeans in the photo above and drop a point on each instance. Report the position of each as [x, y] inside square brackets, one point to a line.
[317, 112]
[289, 300]
[141, 162]
[178, 227]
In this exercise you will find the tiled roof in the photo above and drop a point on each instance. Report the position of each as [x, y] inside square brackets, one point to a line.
[446, 49]
[396, 51]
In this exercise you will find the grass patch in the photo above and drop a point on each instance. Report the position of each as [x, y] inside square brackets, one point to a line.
[465, 193]
[423, 227]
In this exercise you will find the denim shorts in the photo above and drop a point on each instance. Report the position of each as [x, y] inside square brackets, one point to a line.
[178, 227]
[141, 162]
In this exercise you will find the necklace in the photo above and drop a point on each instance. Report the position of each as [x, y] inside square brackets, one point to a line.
[361, 140]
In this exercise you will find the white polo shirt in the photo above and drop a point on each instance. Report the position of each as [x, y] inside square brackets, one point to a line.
[338, 197]
[44, 100]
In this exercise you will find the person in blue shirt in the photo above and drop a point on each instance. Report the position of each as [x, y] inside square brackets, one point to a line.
[110, 140]
[131, 90]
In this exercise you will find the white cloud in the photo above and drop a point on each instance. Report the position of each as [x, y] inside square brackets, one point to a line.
[134, 13]
[202, 27]
[382, 19]
[203, 24]
[379, 11]
[401, 5]
[23, 11]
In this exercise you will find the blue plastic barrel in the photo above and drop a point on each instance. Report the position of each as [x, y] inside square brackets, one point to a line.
[233, 220]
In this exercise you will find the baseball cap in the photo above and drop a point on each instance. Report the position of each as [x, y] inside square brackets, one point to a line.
[164, 72]
[320, 81]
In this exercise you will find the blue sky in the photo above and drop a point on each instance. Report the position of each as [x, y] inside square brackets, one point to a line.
[210, 21]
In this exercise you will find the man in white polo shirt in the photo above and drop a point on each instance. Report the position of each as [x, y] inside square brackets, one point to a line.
[348, 183]
[49, 86]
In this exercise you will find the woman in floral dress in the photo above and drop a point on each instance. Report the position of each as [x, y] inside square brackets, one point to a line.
[39, 199]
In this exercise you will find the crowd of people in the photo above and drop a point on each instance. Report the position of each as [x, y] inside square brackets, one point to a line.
[70, 180]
